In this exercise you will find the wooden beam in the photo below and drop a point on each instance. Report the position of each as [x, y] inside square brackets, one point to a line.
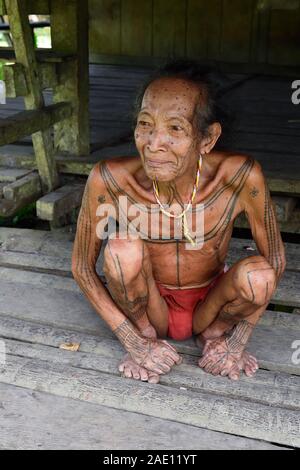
[23, 188]
[25, 55]
[42, 55]
[39, 7]
[30, 122]
[72, 136]
[9, 175]
[58, 203]
[15, 80]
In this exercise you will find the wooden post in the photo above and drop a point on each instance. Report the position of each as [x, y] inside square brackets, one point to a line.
[25, 55]
[69, 35]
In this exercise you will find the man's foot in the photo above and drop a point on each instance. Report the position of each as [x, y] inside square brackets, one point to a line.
[219, 359]
[131, 370]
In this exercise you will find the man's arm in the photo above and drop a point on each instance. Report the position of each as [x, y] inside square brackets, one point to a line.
[260, 211]
[153, 355]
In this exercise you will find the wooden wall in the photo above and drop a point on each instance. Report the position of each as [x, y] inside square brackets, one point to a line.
[233, 31]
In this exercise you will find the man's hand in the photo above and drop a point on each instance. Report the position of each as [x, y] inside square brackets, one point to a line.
[155, 355]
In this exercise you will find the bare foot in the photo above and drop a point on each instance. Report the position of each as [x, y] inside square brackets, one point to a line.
[218, 358]
[130, 369]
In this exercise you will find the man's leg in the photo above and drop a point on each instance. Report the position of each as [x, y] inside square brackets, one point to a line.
[128, 272]
[227, 316]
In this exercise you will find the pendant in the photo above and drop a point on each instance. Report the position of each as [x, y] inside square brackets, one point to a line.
[186, 231]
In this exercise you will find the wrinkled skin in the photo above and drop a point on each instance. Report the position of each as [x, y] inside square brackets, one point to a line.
[169, 144]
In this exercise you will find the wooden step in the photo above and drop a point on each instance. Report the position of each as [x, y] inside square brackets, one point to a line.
[9, 175]
[60, 202]
[19, 193]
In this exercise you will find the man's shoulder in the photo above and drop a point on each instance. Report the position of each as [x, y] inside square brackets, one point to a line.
[115, 171]
[240, 169]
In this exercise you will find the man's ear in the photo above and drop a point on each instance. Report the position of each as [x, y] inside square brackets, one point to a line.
[213, 133]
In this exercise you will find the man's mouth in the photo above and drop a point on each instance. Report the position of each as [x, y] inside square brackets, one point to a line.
[156, 163]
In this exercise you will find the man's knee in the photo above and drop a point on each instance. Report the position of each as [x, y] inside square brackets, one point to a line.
[123, 256]
[255, 280]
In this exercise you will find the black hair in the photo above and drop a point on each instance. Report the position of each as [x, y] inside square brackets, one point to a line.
[202, 76]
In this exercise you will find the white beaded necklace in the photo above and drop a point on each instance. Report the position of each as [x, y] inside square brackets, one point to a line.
[183, 213]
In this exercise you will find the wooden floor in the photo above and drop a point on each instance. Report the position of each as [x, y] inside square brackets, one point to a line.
[53, 398]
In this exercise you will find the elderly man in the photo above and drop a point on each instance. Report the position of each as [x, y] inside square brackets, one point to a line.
[168, 286]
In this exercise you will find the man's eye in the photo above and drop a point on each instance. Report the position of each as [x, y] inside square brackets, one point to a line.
[144, 123]
[176, 128]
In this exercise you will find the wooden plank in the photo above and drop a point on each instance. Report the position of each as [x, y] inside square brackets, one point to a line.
[236, 30]
[270, 388]
[169, 28]
[32, 122]
[72, 135]
[1, 189]
[218, 413]
[36, 241]
[15, 82]
[292, 226]
[241, 248]
[60, 266]
[27, 187]
[59, 202]
[9, 175]
[40, 7]
[136, 28]
[203, 29]
[98, 427]
[24, 51]
[105, 26]
[284, 37]
[104, 354]
[284, 207]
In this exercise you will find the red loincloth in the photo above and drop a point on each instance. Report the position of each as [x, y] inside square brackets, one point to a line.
[181, 304]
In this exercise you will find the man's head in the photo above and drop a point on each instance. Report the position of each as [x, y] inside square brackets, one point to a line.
[176, 120]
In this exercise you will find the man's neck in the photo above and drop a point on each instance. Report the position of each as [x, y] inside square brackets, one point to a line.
[180, 189]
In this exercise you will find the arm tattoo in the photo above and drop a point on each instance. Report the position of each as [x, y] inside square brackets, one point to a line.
[85, 250]
[239, 336]
[274, 257]
[254, 192]
[129, 337]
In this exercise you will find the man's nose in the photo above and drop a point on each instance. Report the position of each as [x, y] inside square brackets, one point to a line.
[157, 140]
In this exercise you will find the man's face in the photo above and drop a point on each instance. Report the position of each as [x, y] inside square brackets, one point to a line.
[165, 134]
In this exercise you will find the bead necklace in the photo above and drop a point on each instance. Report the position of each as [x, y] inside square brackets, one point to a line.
[182, 216]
